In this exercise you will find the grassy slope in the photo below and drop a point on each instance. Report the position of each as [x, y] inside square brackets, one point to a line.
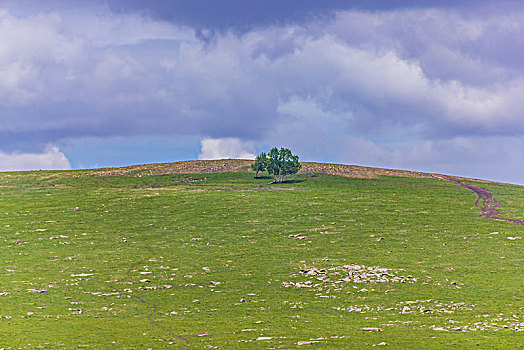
[218, 256]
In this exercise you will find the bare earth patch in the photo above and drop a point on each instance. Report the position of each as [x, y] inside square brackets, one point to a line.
[225, 165]
[485, 200]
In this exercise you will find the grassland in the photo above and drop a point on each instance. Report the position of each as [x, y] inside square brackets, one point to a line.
[152, 257]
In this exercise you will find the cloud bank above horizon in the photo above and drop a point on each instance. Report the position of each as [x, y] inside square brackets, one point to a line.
[422, 88]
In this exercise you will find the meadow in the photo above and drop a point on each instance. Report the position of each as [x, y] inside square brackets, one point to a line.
[148, 259]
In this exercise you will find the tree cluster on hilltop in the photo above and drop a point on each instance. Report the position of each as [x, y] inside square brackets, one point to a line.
[279, 162]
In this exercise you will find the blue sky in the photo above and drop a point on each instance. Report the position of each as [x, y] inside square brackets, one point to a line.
[432, 86]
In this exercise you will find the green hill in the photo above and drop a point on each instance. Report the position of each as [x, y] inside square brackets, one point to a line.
[201, 255]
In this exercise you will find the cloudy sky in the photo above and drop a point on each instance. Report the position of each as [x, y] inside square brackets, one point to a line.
[433, 86]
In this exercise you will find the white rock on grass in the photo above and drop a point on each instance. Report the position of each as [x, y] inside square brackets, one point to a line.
[306, 342]
[371, 329]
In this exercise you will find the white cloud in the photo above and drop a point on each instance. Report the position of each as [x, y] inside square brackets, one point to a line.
[224, 148]
[51, 159]
[155, 77]
[110, 30]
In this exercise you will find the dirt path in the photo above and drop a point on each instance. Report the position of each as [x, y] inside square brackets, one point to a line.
[485, 200]
[149, 316]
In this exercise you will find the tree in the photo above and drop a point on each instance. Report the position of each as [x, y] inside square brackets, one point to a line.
[260, 164]
[282, 163]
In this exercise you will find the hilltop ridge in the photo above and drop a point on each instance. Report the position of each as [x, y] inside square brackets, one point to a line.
[225, 165]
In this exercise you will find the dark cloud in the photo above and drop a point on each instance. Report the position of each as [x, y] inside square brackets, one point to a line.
[246, 15]
[233, 14]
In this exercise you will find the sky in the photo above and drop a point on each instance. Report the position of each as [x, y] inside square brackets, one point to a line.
[435, 86]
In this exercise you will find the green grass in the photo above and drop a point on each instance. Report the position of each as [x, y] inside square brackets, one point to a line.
[219, 252]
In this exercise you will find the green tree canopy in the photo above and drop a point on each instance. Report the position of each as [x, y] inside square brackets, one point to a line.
[260, 164]
[281, 163]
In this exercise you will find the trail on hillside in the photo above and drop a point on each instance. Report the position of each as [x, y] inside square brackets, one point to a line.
[485, 200]
[153, 312]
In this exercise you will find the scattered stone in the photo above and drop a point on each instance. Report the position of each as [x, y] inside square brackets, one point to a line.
[264, 338]
[313, 271]
[305, 342]
[372, 329]
[339, 275]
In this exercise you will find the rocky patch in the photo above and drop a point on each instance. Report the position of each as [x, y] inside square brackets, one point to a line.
[339, 276]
